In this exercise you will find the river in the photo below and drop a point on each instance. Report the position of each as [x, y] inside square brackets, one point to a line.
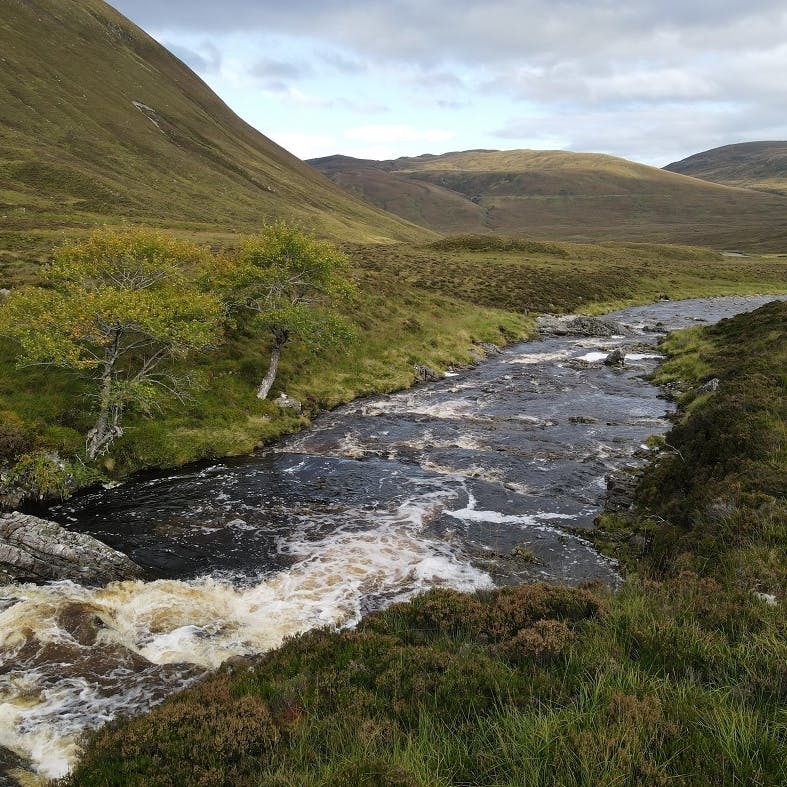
[377, 501]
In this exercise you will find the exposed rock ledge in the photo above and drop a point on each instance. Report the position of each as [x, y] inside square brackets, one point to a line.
[580, 325]
[35, 550]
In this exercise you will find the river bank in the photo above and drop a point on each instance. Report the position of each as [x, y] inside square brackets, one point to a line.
[679, 677]
[418, 306]
[394, 499]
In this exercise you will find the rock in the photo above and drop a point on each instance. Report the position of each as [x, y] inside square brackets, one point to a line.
[710, 386]
[524, 553]
[615, 358]
[621, 487]
[580, 325]
[237, 664]
[639, 541]
[288, 403]
[489, 348]
[36, 550]
[583, 419]
[426, 374]
[767, 598]
[10, 497]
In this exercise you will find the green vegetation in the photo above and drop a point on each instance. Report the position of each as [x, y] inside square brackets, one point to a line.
[727, 516]
[119, 307]
[290, 282]
[521, 274]
[678, 678]
[415, 305]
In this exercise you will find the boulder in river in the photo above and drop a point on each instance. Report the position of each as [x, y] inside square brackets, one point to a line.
[580, 325]
[615, 358]
[489, 348]
[36, 550]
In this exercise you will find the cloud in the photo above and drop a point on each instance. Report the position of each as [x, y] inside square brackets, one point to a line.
[342, 63]
[397, 133]
[305, 145]
[267, 68]
[653, 135]
[468, 30]
[647, 78]
[206, 61]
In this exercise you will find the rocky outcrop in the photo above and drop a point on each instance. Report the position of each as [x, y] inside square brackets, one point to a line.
[580, 325]
[488, 348]
[621, 488]
[36, 550]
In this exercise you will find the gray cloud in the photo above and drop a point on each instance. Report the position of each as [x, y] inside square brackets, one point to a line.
[665, 76]
[465, 30]
[667, 133]
[266, 68]
[204, 62]
[343, 64]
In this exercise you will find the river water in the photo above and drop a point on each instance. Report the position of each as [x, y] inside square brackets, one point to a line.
[377, 501]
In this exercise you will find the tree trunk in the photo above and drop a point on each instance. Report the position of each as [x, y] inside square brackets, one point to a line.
[107, 428]
[267, 381]
[104, 433]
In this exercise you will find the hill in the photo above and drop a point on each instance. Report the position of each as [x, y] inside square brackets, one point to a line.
[570, 196]
[102, 124]
[751, 165]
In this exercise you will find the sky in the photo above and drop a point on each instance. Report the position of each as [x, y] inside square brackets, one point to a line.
[649, 80]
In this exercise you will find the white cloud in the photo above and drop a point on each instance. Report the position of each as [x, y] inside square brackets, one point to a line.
[397, 133]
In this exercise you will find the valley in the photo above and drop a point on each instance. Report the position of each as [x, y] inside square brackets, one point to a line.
[454, 544]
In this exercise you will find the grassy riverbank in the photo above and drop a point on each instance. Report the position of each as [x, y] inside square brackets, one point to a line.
[679, 678]
[419, 304]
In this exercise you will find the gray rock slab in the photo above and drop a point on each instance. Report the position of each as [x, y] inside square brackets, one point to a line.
[36, 550]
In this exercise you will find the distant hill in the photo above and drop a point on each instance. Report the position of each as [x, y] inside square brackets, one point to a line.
[751, 165]
[557, 194]
[99, 123]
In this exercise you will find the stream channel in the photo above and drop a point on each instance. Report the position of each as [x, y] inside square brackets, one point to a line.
[375, 502]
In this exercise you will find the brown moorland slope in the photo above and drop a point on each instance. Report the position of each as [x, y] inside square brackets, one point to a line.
[752, 165]
[101, 124]
[569, 196]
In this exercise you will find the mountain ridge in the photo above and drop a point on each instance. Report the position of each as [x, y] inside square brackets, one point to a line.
[754, 165]
[563, 195]
[100, 124]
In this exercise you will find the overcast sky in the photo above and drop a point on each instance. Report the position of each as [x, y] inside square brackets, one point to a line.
[650, 80]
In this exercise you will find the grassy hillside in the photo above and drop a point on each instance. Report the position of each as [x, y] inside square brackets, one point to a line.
[569, 196]
[536, 276]
[424, 203]
[751, 165]
[419, 304]
[679, 678]
[100, 124]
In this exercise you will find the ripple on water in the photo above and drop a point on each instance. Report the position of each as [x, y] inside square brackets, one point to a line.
[130, 644]
[376, 502]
